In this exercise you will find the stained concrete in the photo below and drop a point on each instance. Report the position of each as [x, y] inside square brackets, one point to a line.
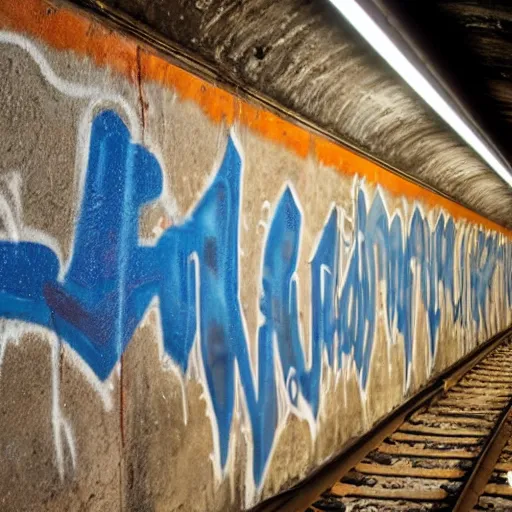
[304, 56]
[144, 439]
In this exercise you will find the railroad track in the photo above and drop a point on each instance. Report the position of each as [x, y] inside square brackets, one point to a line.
[496, 493]
[446, 448]
[441, 458]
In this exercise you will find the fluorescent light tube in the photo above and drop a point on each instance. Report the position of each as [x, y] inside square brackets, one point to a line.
[385, 47]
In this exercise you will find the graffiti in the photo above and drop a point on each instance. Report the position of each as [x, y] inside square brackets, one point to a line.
[111, 279]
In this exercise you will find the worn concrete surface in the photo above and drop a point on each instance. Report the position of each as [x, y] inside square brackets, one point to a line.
[303, 55]
[147, 436]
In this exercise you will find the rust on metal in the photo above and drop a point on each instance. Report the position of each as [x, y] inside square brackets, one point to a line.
[485, 466]
[495, 492]
[421, 455]
[444, 452]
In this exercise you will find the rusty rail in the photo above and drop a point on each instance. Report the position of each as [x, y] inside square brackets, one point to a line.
[473, 433]
[486, 465]
[442, 455]
[492, 487]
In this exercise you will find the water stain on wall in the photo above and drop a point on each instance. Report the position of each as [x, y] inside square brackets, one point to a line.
[201, 300]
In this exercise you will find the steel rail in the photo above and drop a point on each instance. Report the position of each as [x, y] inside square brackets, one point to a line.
[301, 496]
[475, 486]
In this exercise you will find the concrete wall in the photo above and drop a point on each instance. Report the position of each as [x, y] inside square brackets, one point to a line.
[201, 303]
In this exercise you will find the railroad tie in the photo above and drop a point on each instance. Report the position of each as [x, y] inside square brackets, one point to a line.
[430, 459]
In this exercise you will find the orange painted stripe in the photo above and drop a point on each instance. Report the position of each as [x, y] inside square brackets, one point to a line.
[275, 128]
[66, 29]
[346, 161]
[219, 105]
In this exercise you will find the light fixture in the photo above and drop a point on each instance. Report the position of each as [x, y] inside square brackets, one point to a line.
[385, 47]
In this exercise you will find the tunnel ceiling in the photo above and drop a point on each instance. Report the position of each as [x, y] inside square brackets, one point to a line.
[470, 43]
[302, 56]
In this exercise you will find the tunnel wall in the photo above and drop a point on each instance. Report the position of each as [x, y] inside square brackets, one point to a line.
[201, 302]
